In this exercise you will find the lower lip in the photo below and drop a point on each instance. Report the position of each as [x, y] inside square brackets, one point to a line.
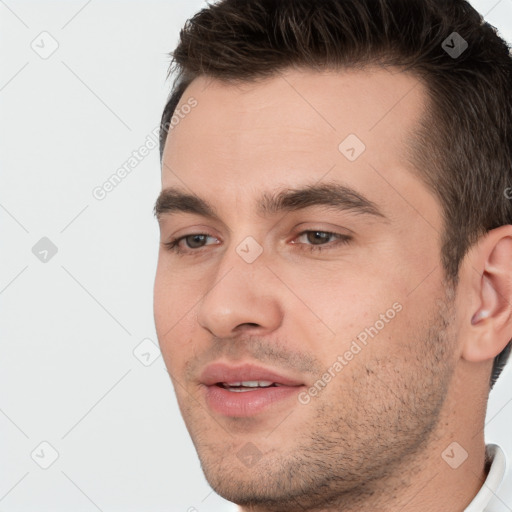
[246, 403]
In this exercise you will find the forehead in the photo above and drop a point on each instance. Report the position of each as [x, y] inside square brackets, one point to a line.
[293, 128]
[324, 105]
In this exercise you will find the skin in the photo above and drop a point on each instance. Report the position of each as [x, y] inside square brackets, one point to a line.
[373, 438]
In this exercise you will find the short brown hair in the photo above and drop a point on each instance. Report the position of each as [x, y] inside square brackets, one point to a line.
[462, 149]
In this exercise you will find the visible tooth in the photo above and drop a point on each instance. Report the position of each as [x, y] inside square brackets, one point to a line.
[266, 383]
[256, 383]
[249, 384]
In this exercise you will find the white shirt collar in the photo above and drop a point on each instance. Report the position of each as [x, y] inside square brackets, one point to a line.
[487, 500]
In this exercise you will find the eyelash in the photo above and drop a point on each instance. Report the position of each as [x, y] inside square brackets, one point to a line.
[173, 244]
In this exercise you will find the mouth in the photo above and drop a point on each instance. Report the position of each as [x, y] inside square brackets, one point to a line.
[248, 385]
[246, 390]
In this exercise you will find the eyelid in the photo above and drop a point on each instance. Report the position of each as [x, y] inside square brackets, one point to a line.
[299, 229]
[173, 245]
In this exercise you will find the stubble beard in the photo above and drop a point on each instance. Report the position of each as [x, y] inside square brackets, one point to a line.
[356, 447]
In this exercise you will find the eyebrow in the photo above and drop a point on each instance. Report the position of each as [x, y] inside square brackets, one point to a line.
[331, 195]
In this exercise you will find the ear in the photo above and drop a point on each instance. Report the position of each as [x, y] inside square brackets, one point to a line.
[487, 322]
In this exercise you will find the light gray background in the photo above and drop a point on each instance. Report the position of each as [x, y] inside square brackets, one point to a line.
[69, 327]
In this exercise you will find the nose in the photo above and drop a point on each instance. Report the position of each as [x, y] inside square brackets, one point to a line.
[242, 297]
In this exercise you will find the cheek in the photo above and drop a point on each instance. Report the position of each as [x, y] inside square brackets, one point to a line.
[347, 296]
[172, 308]
[365, 312]
[162, 298]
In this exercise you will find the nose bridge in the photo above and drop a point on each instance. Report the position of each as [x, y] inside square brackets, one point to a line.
[240, 293]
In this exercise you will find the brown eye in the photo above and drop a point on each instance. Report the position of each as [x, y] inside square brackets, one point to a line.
[318, 236]
[315, 240]
[195, 241]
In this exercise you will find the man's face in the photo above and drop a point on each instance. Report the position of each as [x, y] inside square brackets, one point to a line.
[351, 325]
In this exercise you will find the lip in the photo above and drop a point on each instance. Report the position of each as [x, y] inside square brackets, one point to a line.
[249, 403]
[221, 372]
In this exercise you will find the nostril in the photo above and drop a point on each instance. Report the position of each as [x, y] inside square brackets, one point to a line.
[248, 324]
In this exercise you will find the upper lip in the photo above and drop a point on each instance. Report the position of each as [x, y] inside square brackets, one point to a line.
[216, 373]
